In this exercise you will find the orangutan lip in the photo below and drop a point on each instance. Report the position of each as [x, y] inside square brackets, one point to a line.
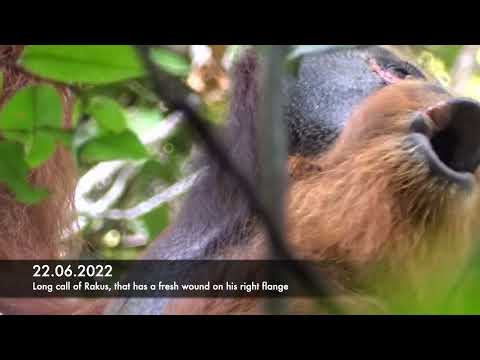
[448, 135]
[438, 168]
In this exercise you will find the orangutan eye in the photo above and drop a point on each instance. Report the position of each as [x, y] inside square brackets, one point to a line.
[399, 71]
[404, 70]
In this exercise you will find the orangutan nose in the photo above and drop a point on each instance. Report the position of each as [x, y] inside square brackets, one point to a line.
[453, 128]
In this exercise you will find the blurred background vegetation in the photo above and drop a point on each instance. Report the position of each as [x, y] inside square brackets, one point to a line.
[124, 205]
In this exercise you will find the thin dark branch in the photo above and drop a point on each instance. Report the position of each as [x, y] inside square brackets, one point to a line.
[177, 96]
[272, 141]
[272, 146]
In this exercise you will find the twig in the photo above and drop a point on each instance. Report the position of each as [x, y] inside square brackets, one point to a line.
[176, 96]
[145, 207]
[106, 170]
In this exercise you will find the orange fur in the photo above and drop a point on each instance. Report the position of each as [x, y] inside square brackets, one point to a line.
[36, 232]
[372, 209]
[369, 191]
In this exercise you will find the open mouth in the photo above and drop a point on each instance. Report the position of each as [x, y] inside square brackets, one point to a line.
[448, 135]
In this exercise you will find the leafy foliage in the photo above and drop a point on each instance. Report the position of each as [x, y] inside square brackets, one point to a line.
[34, 118]
[14, 171]
[171, 62]
[83, 64]
[124, 145]
[108, 114]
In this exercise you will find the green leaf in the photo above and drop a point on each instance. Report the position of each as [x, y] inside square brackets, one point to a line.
[39, 149]
[123, 146]
[171, 62]
[145, 121]
[14, 172]
[77, 112]
[180, 142]
[108, 114]
[87, 64]
[32, 107]
[154, 170]
[34, 117]
[64, 137]
[156, 221]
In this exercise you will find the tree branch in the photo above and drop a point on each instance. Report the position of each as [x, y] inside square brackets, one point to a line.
[177, 97]
[146, 206]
